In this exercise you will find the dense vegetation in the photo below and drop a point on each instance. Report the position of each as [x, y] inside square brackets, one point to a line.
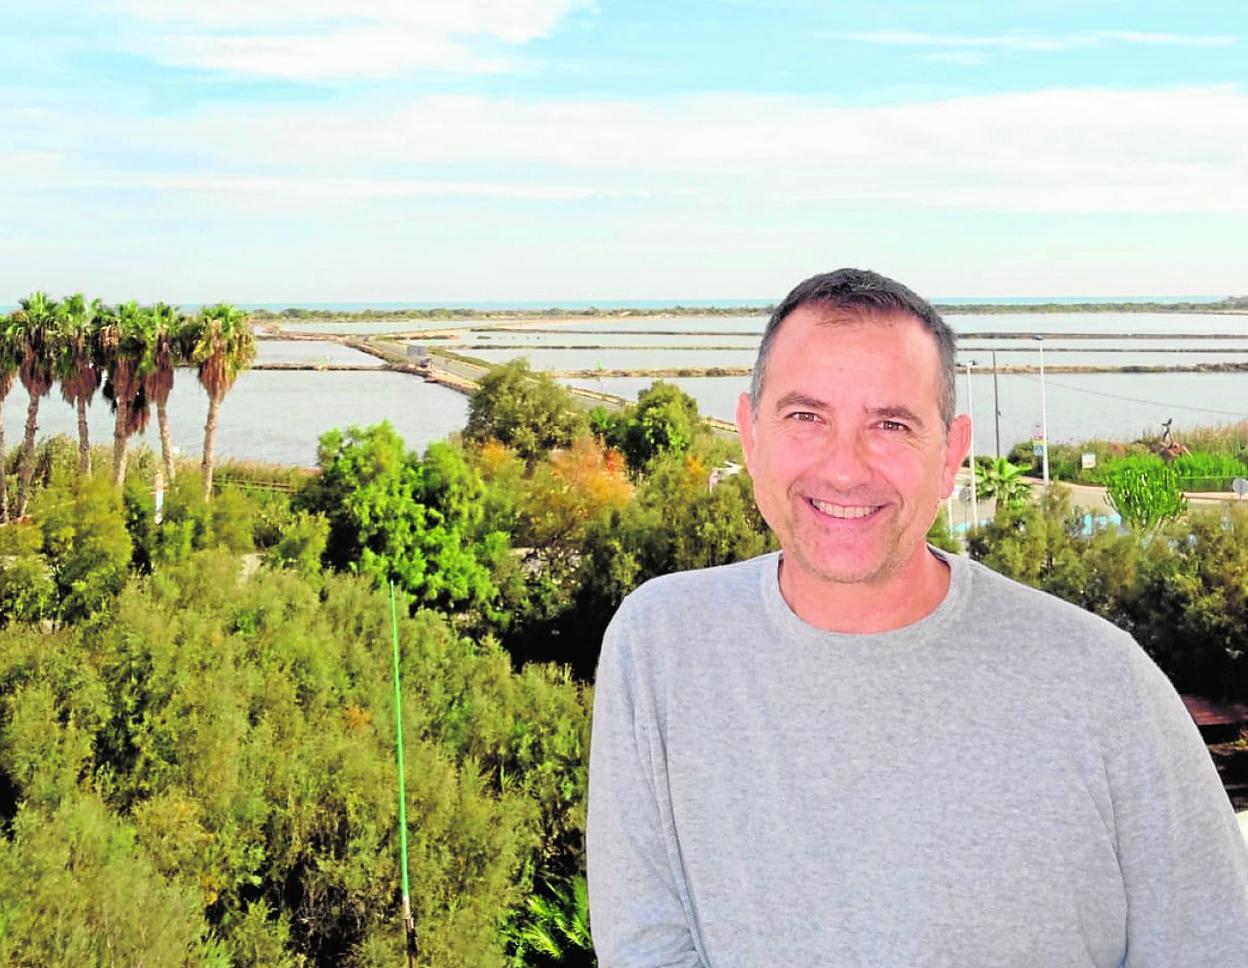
[196, 727]
[1229, 304]
[1201, 458]
[195, 722]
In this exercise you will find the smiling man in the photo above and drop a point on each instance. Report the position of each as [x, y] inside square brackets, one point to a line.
[863, 752]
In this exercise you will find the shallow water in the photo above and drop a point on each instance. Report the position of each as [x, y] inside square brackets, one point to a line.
[269, 415]
[314, 352]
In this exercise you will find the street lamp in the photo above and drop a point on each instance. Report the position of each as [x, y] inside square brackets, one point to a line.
[1044, 414]
[970, 412]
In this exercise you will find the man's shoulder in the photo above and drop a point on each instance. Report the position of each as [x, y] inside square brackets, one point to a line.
[1042, 624]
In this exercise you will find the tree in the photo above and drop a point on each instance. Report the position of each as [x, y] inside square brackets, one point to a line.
[121, 346]
[222, 346]
[163, 334]
[34, 325]
[665, 420]
[86, 544]
[528, 411]
[394, 517]
[1037, 544]
[10, 357]
[77, 355]
[566, 492]
[1145, 491]
[1002, 481]
[1192, 611]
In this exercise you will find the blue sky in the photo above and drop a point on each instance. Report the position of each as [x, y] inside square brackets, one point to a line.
[392, 150]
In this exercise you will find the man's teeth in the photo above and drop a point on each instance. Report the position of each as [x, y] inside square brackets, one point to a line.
[841, 511]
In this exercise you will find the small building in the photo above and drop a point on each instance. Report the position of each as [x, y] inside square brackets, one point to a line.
[1218, 722]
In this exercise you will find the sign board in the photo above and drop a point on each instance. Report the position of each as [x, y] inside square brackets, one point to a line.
[1087, 461]
[1239, 486]
[1037, 448]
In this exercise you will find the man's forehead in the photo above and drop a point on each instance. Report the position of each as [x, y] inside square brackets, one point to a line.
[857, 316]
[832, 372]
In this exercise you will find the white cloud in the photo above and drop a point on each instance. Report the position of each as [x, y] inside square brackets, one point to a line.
[1175, 40]
[365, 52]
[339, 190]
[966, 58]
[340, 38]
[1030, 41]
[1059, 150]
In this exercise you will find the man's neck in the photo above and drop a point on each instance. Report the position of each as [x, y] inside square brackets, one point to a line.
[865, 607]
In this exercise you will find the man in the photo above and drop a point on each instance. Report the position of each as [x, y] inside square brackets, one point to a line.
[864, 752]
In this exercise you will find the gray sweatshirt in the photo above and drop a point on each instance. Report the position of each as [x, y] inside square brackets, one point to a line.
[1009, 782]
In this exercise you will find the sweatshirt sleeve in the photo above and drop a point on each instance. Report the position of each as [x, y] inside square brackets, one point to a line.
[638, 906]
[1183, 859]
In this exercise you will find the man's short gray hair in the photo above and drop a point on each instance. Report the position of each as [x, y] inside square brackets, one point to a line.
[859, 292]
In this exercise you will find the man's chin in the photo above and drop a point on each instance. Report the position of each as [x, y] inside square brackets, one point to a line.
[844, 569]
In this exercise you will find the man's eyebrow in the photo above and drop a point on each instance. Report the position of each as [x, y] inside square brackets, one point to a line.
[796, 399]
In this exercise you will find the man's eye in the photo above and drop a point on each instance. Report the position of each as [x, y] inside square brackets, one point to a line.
[895, 426]
[805, 416]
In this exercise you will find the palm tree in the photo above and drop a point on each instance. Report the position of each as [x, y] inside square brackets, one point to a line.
[223, 345]
[34, 329]
[9, 360]
[1004, 481]
[163, 334]
[77, 356]
[121, 344]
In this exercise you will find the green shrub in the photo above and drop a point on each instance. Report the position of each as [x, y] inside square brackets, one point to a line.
[1145, 491]
[301, 544]
[85, 542]
[27, 591]
[76, 889]
[1201, 471]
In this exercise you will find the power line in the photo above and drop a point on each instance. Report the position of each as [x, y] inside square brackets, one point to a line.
[1154, 403]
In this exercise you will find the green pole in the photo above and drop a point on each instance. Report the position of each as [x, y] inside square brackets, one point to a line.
[409, 924]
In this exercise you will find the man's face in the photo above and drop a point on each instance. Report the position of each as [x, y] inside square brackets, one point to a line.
[848, 453]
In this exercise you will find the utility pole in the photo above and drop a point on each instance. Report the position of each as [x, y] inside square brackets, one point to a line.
[996, 401]
[970, 412]
[1044, 413]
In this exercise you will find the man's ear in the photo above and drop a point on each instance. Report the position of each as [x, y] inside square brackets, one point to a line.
[957, 444]
[745, 426]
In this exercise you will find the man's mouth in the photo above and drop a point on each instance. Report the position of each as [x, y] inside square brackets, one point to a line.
[847, 511]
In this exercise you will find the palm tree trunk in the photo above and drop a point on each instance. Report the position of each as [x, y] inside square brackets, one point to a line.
[210, 431]
[84, 439]
[119, 442]
[27, 469]
[166, 443]
[4, 484]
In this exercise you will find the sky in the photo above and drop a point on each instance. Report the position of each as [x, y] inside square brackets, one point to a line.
[296, 151]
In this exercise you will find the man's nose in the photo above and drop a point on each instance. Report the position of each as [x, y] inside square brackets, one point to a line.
[845, 461]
